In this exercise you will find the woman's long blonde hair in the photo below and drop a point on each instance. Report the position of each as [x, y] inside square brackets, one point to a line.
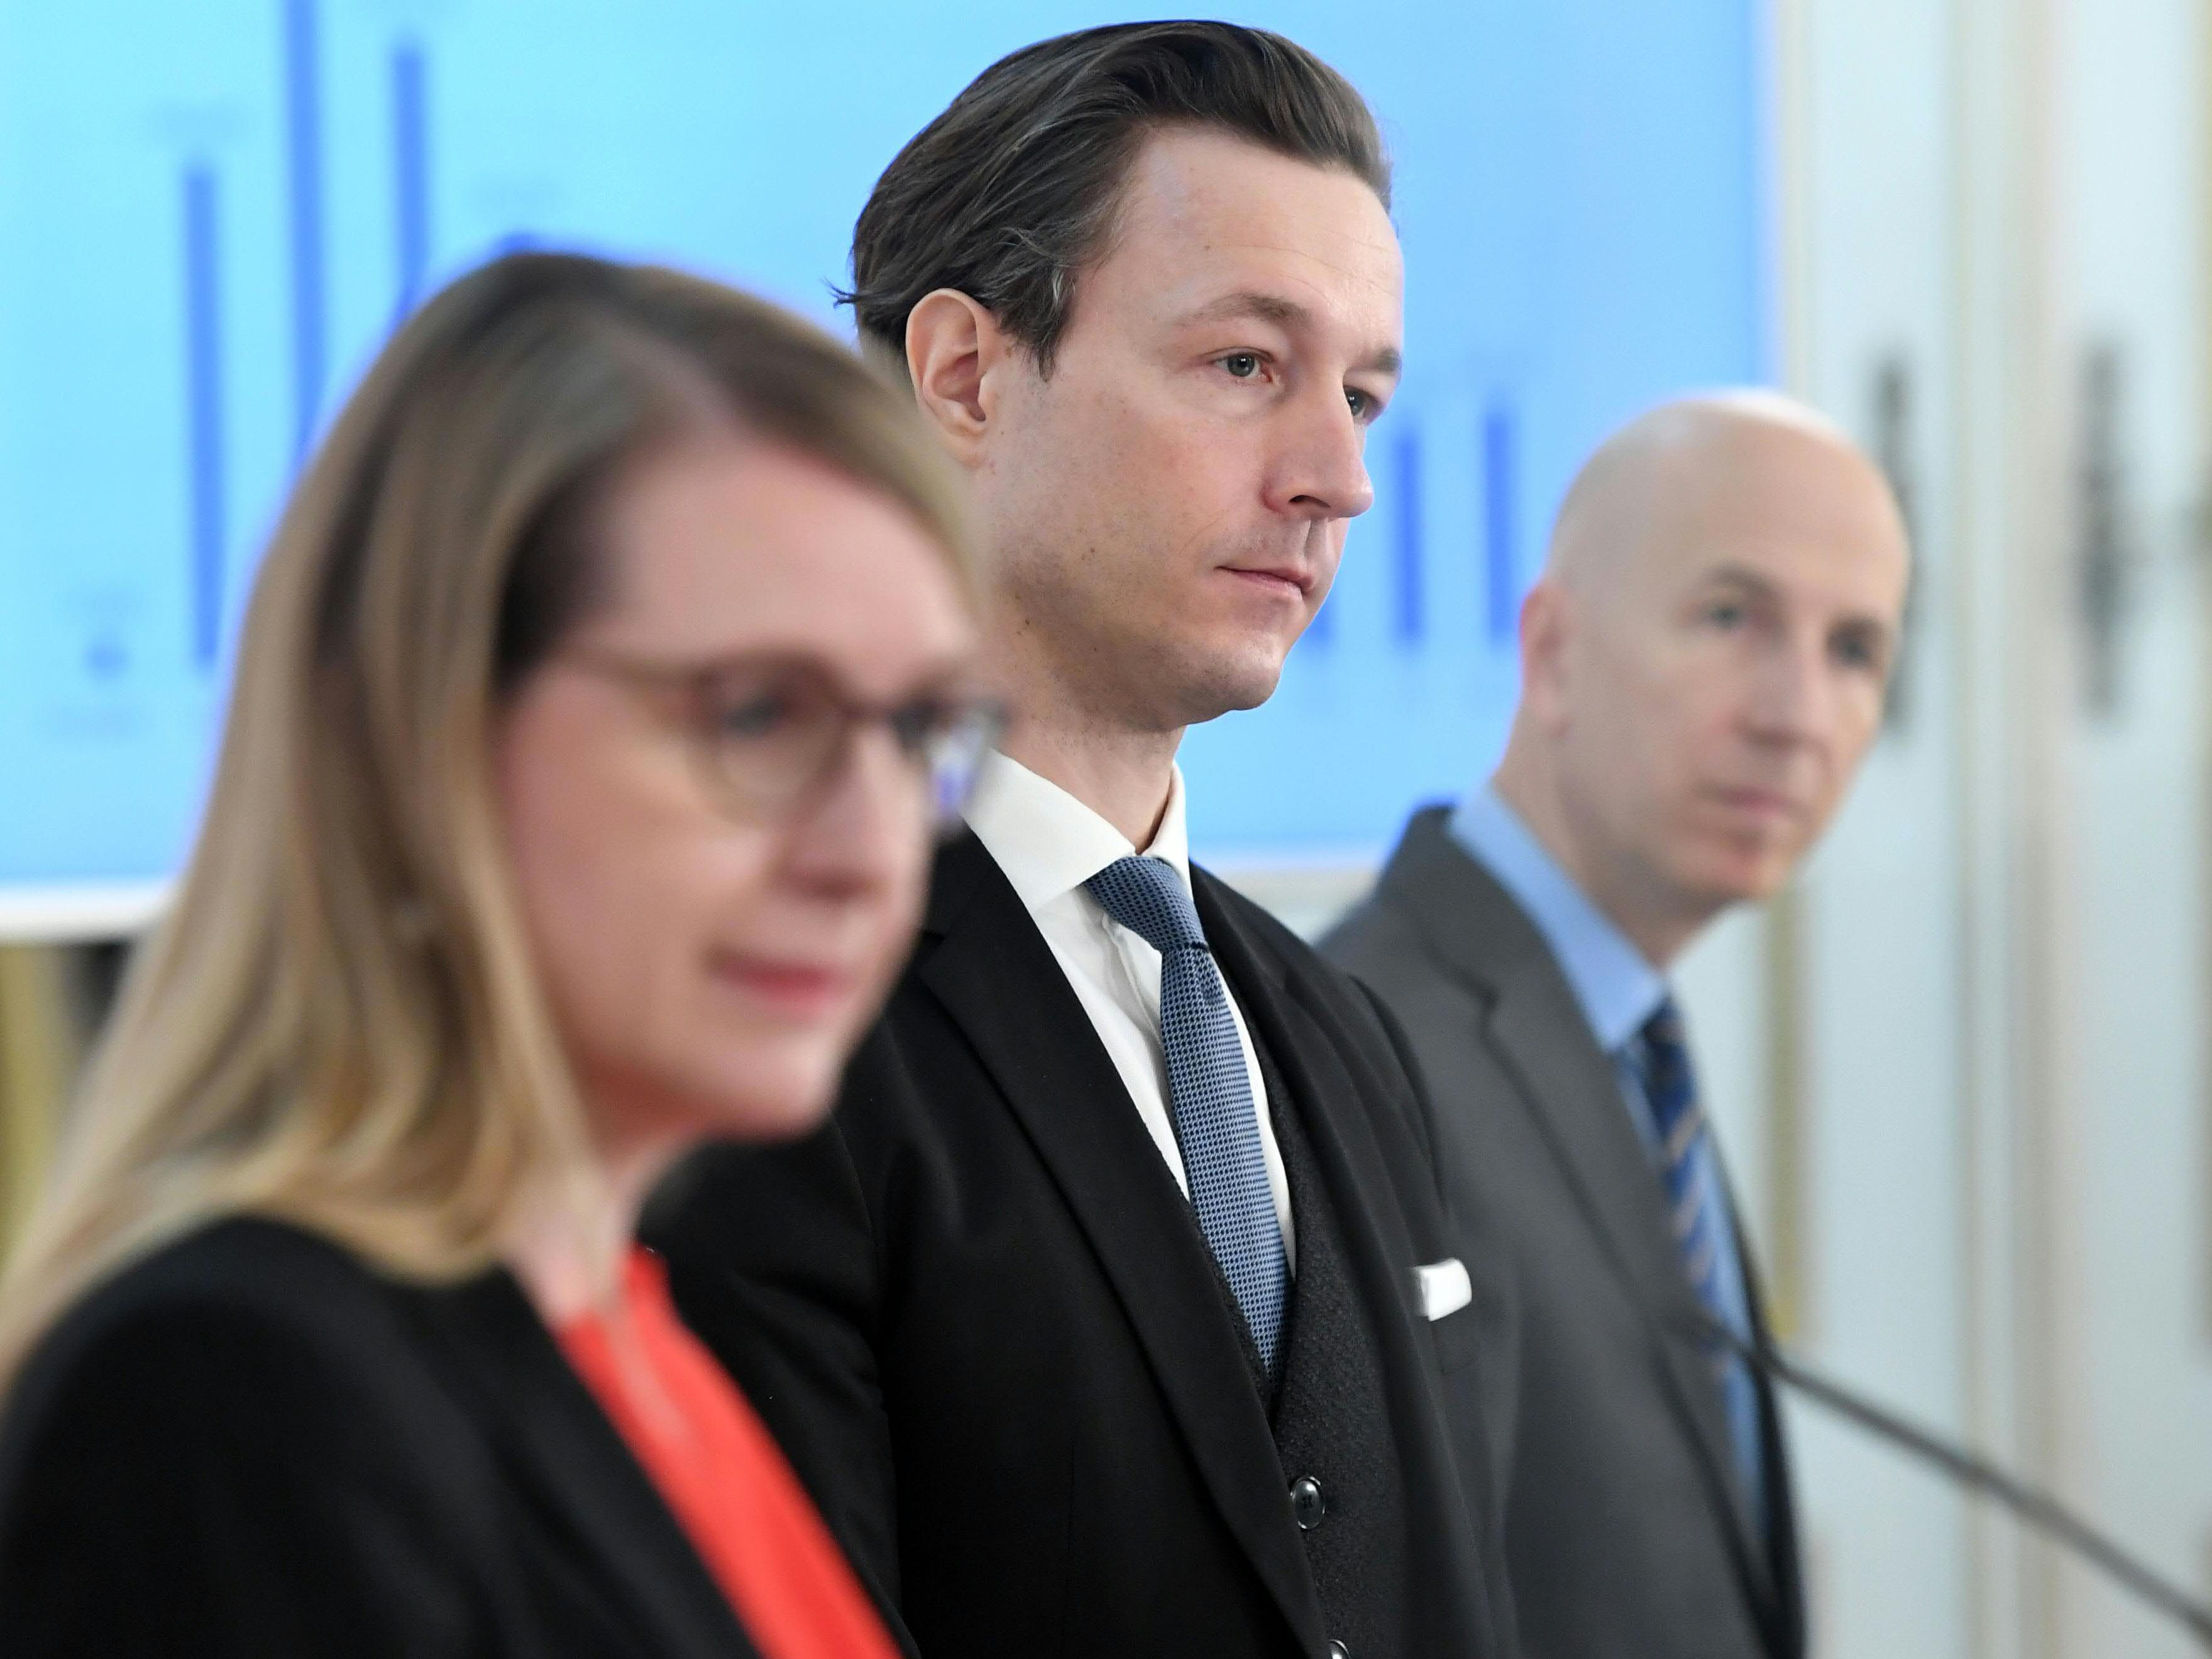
[339, 1023]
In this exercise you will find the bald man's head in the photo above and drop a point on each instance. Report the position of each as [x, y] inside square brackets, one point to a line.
[1704, 657]
[1725, 453]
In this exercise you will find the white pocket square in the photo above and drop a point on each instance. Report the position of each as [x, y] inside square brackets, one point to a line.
[1443, 1286]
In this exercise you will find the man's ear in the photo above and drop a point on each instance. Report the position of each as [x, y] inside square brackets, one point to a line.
[1547, 621]
[955, 351]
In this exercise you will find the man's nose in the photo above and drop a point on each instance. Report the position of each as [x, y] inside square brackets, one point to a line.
[1793, 695]
[1323, 470]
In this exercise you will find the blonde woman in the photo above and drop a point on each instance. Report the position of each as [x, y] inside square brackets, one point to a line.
[600, 691]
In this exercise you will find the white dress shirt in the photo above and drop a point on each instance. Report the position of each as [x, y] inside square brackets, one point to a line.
[1049, 843]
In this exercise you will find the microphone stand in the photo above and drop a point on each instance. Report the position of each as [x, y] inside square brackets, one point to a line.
[2041, 1511]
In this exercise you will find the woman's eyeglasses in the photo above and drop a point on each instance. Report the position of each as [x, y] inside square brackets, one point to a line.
[769, 732]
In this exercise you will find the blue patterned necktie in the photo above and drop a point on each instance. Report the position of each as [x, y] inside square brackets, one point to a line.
[1694, 1206]
[1209, 1091]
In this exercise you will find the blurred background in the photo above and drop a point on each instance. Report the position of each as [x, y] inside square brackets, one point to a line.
[1961, 1066]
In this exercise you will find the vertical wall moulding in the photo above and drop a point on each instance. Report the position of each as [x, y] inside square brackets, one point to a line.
[1893, 399]
[2202, 529]
[1790, 302]
[2008, 605]
[2051, 673]
[1789, 1229]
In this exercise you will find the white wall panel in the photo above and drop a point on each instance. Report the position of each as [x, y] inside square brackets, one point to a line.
[1998, 960]
[2134, 1434]
[1870, 304]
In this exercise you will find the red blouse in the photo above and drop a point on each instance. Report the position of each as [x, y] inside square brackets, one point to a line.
[724, 1477]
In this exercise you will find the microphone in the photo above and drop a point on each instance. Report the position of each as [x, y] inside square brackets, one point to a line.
[2039, 1509]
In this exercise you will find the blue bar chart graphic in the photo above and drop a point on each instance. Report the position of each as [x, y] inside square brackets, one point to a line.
[203, 321]
[1409, 547]
[410, 173]
[303, 130]
[212, 215]
[300, 61]
[1498, 524]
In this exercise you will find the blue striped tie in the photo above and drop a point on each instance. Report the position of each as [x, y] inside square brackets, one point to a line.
[1694, 1204]
[1209, 1091]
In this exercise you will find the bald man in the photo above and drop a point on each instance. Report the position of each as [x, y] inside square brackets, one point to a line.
[1703, 667]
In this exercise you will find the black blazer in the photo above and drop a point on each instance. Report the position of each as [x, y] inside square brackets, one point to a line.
[979, 1315]
[249, 1445]
[1626, 1530]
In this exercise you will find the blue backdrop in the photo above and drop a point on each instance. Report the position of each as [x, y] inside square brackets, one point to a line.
[210, 215]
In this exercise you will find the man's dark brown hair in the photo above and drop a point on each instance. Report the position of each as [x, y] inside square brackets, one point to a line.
[1011, 193]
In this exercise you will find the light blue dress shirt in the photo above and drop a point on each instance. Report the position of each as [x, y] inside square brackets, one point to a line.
[1619, 992]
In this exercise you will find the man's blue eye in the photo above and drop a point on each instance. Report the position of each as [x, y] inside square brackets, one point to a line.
[1243, 365]
[1725, 616]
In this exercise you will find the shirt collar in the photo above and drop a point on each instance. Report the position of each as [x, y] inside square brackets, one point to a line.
[1049, 843]
[1618, 989]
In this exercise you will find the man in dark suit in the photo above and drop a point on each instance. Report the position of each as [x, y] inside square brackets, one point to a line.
[1704, 664]
[1118, 1313]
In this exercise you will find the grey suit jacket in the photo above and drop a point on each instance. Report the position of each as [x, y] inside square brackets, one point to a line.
[1625, 1533]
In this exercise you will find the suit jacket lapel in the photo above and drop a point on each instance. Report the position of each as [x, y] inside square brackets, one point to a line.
[1537, 1030]
[1788, 1605]
[560, 1449]
[995, 974]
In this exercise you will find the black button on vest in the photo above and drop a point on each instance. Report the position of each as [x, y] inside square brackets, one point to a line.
[1307, 1504]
